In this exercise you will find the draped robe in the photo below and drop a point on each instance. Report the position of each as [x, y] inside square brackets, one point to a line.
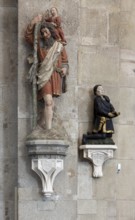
[53, 59]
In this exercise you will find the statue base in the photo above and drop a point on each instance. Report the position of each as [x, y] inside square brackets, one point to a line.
[40, 133]
[98, 154]
[97, 147]
[97, 139]
[47, 160]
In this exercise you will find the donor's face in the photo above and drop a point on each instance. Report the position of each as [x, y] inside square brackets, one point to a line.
[100, 91]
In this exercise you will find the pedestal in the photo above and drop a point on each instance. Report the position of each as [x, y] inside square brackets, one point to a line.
[98, 154]
[47, 161]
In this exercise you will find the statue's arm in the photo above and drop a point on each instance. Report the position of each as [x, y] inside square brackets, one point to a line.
[29, 35]
[112, 112]
[65, 66]
[58, 21]
[99, 108]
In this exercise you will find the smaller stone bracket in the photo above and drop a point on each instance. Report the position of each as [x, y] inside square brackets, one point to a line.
[47, 160]
[98, 154]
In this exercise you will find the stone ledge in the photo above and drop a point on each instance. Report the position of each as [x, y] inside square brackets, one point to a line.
[47, 160]
[47, 147]
[98, 146]
[98, 154]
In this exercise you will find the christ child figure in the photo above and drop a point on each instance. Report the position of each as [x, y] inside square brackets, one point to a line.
[55, 20]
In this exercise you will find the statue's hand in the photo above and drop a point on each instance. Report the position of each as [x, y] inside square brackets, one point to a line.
[63, 71]
[53, 24]
[37, 19]
[111, 115]
[117, 113]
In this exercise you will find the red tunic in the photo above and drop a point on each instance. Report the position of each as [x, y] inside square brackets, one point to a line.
[54, 85]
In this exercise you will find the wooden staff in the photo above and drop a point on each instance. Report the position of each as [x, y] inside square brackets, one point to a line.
[34, 75]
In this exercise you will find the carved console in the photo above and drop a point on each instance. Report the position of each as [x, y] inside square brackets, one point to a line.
[47, 161]
[98, 154]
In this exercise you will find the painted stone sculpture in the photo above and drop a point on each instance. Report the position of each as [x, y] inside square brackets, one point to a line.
[48, 142]
[53, 17]
[98, 145]
[104, 112]
[50, 65]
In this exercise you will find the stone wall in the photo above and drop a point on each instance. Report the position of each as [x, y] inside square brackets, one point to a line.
[8, 108]
[100, 37]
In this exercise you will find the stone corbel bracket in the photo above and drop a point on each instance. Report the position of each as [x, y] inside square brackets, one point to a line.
[98, 154]
[47, 161]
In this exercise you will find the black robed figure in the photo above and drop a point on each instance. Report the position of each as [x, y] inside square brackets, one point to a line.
[103, 112]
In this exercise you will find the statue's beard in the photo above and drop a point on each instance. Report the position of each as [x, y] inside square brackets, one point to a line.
[47, 43]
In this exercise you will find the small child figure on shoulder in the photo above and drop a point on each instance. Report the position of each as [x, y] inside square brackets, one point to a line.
[53, 17]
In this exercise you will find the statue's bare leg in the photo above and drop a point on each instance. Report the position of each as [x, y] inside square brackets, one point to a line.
[48, 111]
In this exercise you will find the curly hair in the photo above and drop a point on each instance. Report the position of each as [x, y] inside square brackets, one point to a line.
[50, 28]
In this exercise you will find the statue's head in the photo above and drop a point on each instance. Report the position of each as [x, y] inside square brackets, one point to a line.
[47, 31]
[98, 90]
[54, 11]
